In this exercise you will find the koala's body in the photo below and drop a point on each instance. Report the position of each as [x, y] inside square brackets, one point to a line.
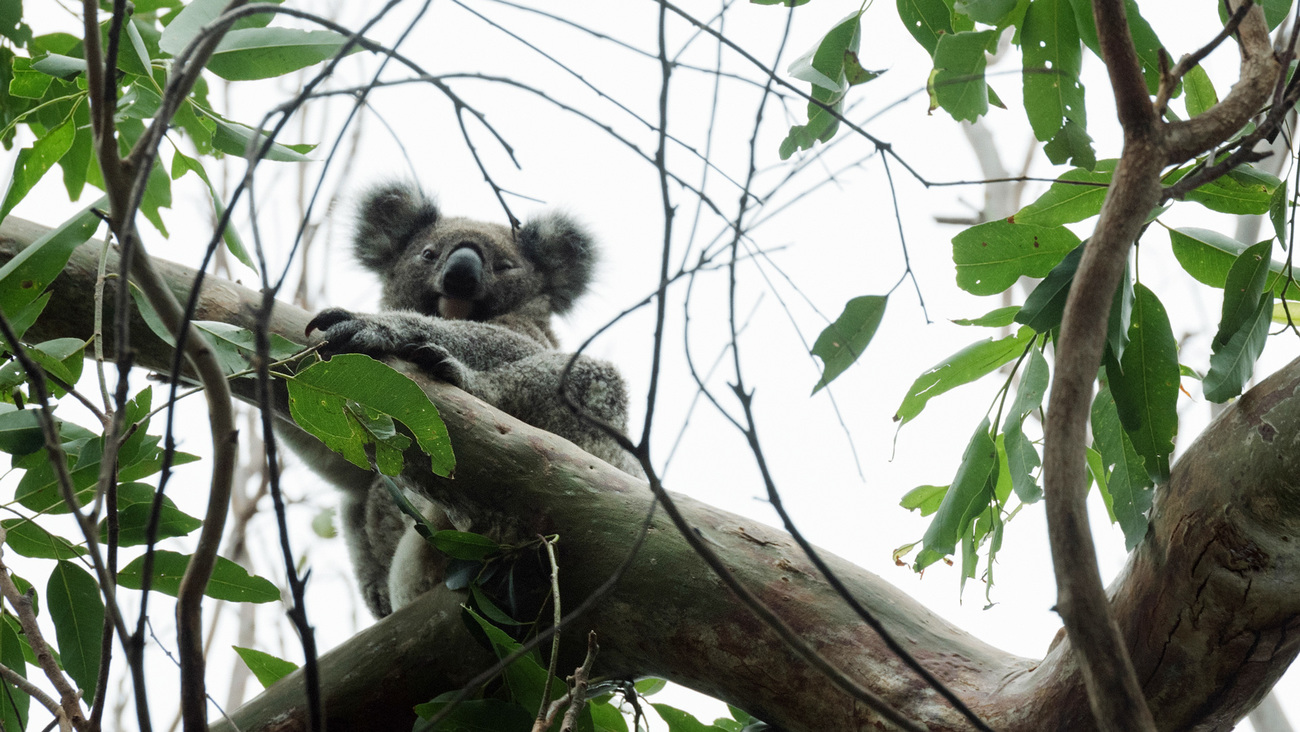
[470, 303]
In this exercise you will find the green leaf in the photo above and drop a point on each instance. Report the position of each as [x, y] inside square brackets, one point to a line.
[32, 163]
[464, 545]
[267, 668]
[185, 26]
[1052, 60]
[1244, 190]
[59, 66]
[1199, 91]
[1046, 303]
[76, 161]
[13, 28]
[1126, 489]
[1242, 290]
[20, 430]
[957, 83]
[229, 581]
[181, 163]
[1021, 460]
[963, 367]
[478, 715]
[988, 12]
[1071, 145]
[1275, 11]
[1208, 256]
[317, 396]
[234, 138]
[650, 686]
[264, 53]
[966, 499]
[1067, 202]
[1278, 206]
[14, 702]
[1233, 362]
[1146, 43]
[235, 346]
[1033, 385]
[72, 596]
[999, 318]
[134, 510]
[30, 540]
[526, 678]
[1144, 384]
[926, 20]
[924, 498]
[990, 257]
[823, 65]
[843, 341]
[1121, 315]
[679, 721]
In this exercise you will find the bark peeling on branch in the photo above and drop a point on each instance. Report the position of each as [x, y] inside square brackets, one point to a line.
[1207, 606]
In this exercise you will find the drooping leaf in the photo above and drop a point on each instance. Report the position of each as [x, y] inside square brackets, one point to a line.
[525, 677]
[1144, 384]
[1199, 94]
[187, 24]
[1277, 212]
[963, 367]
[72, 596]
[1077, 196]
[229, 581]
[14, 702]
[317, 396]
[182, 163]
[1052, 61]
[1125, 486]
[843, 341]
[968, 496]
[1073, 146]
[20, 430]
[957, 83]
[990, 257]
[1046, 303]
[1121, 315]
[1233, 363]
[1242, 290]
[32, 163]
[234, 138]
[267, 668]
[1021, 461]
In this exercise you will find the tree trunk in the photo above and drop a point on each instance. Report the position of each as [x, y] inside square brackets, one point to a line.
[1208, 603]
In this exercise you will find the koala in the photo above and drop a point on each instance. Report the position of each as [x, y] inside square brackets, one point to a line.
[469, 303]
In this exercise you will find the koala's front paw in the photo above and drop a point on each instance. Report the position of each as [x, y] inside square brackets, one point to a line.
[387, 335]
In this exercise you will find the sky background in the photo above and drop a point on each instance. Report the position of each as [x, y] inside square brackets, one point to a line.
[829, 233]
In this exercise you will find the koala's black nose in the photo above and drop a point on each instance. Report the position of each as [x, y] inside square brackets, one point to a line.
[463, 276]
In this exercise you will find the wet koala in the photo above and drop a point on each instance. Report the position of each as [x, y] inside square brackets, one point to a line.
[469, 303]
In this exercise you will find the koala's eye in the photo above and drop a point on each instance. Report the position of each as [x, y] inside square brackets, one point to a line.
[504, 264]
[428, 255]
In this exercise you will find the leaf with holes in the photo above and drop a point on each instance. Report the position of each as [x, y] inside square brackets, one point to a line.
[843, 341]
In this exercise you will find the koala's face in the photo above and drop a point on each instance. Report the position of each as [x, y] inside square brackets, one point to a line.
[462, 269]
[465, 269]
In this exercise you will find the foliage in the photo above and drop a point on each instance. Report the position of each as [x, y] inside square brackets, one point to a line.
[1134, 418]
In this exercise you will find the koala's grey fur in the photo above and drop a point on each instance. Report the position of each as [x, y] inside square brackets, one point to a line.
[471, 304]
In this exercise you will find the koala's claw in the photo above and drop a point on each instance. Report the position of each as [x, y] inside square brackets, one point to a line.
[328, 318]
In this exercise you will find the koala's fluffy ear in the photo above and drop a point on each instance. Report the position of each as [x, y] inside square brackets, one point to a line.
[389, 215]
[562, 250]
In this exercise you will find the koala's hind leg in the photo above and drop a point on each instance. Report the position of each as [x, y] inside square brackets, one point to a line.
[417, 567]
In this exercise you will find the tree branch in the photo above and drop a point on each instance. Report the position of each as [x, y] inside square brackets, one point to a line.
[1211, 589]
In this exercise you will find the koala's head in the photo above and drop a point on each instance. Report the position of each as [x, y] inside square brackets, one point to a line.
[465, 269]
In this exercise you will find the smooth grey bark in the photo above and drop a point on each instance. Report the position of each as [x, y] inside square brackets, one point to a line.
[1208, 605]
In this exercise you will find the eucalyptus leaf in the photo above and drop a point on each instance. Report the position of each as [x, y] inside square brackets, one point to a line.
[72, 597]
[229, 581]
[843, 341]
[990, 257]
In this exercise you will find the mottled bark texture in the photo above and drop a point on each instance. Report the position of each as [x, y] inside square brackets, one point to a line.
[1208, 604]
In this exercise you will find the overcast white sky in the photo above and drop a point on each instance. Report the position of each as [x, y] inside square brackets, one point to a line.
[839, 242]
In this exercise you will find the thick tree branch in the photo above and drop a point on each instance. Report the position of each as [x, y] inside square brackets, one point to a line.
[1115, 692]
[1207, 607]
